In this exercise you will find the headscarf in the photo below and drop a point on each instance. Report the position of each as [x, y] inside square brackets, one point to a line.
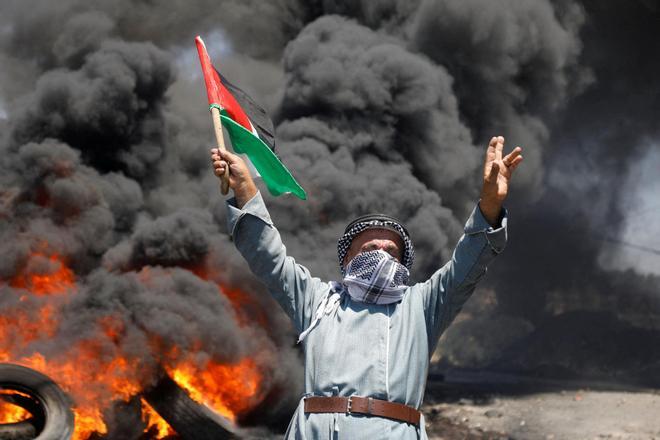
[370, 221]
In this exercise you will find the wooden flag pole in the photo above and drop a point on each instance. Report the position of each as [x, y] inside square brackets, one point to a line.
[220, 138]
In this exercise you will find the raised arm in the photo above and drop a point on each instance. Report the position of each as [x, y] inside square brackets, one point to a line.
[485, 236]
[451, 286]
[257, 239]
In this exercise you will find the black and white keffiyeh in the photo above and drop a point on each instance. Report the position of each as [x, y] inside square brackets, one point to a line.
[375, 221]
[376, 277]
[373, 277]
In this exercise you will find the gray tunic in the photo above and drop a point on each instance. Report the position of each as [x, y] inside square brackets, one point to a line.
[381, 351]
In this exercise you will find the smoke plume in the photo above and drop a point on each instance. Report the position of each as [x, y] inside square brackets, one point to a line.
[379, 106]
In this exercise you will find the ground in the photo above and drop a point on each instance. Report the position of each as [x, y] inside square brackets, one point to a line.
[495, 406]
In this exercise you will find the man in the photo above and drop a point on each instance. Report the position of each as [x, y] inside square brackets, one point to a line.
[368, 339]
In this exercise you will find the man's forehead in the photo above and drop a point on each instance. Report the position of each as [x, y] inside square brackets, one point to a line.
[378, 234]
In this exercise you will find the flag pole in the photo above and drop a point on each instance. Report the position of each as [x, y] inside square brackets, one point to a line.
[213, 95]
[220, 139]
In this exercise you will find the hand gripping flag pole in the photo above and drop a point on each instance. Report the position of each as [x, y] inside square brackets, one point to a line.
[250, 129]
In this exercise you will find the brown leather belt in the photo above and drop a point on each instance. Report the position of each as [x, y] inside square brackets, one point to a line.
[362, 405]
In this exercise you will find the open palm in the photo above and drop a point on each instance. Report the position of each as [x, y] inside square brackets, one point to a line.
[497, 175]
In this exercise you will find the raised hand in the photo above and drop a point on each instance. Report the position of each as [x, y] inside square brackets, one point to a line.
[497, 176]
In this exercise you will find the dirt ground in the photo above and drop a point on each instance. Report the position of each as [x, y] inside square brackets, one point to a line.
[502, 408]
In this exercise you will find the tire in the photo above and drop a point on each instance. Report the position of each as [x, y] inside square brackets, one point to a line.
[190, 420]
[24, 430]
[54, 406]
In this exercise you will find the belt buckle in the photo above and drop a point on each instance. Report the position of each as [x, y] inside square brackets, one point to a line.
[349, 405]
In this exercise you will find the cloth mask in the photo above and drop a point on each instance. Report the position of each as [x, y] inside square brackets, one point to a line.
[376, 277]
[372, 277]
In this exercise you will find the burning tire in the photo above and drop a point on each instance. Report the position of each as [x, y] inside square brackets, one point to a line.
[25, 429]
[18, 431]
[191, 420]
[49, 406]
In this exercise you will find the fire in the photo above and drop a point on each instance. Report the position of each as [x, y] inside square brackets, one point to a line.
[94, 371]
[44, 275]
[92, 387]
[87, 421]
[229, 389]
[10, 413]
[19, 328]
[154, 421]
[95, 388]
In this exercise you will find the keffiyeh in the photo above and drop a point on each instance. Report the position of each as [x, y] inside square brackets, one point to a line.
[372, 277]
[376, 277]
[375, 221]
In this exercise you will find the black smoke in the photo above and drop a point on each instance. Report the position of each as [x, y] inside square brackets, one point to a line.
[379, 106]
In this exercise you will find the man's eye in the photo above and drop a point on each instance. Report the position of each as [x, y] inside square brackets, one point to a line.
[369, 247]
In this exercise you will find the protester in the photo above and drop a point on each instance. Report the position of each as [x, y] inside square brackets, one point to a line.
[368, 338]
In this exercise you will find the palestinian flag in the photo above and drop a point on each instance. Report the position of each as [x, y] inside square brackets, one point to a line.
[249, 127]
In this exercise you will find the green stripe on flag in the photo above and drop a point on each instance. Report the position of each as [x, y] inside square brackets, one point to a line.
[277, 178]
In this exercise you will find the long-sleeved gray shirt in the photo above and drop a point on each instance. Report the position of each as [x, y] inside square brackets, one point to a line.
[380, 351]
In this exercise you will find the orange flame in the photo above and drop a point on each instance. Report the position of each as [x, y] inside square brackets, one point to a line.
[227, 389]
[18, 328]
[95, 376]
[154, 421]
[94, 385]
[10, 413]
[44, 275]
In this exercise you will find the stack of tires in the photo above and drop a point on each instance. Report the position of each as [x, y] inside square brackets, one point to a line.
[51, 417]
[50, 409]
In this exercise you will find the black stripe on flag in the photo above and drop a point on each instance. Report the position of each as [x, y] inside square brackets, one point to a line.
[254, 112]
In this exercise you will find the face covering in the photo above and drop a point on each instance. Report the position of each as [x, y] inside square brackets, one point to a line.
[376, 277]
[372, 277]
